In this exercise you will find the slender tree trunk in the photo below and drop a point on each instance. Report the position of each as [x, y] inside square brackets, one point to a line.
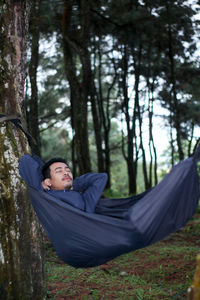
[107, 126]
[21, 255]
[174, 95]
[33, 122]
[73, 153]
[97, 118]
[152, 147]
[79, 100]
[130, 124]
[189, 152]
[172, 146]
[89, 90]
[150, 86]
[137, 66]
[104, 110]
[98, 135]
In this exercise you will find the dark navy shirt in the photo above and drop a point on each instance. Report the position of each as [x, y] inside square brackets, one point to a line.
[87, 189]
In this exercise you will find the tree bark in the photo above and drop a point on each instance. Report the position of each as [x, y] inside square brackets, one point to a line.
[97, 119]
[21, 252]
[174, 106]
[73, 47]
[132, 151]
[104, 112]
[33, 122]
[137, 67]
[151, 63]
[98, 135]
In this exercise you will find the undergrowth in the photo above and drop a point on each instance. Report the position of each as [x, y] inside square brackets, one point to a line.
[164, 270]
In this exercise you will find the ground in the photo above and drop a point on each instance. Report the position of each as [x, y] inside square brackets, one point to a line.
[164, 270]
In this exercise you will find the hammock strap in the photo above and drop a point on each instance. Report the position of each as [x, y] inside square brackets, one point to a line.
[196, 154]
[19, 123]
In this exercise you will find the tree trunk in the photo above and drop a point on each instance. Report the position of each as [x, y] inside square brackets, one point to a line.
[151, 63]
[175, 107]
[72, 48]
[189, 150]
[104, 111]
[33, 121]
[137, 67]
[21, 255]
[172, 146]
[193, 292]
[132, 152]
[97, 119]
[98, 135]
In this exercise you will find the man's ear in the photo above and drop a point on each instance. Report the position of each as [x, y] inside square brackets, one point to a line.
[46, 183]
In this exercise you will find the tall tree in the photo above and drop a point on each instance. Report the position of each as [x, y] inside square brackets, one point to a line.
[75, 48]
[105, 99]
[175, 19]
[33, 122]
[130, 117]
[21, 255]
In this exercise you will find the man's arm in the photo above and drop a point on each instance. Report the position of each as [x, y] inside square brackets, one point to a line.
[92, 186]
[30, 170]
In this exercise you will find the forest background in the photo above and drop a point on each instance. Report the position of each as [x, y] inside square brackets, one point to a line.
[101, 80]
[105, 79]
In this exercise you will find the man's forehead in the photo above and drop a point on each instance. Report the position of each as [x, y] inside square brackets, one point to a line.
[57, 165]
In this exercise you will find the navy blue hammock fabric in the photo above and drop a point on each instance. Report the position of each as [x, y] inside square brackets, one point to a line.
[118, 226]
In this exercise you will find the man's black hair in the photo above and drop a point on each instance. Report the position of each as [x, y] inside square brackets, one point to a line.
[46, 169]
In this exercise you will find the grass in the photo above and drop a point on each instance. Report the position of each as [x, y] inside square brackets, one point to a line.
[162, 271]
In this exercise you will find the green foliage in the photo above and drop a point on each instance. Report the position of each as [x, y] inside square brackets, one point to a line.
[147, 30]
[119, 179]
[56, 143]
[54, 103]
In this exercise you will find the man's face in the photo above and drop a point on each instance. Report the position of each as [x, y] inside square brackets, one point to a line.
[61, 177]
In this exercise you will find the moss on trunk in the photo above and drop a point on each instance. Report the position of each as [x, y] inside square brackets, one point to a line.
[21, 255]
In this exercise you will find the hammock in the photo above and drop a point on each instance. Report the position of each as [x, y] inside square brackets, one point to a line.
[119, 226]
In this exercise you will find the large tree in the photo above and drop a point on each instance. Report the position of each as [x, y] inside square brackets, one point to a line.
[21, 264]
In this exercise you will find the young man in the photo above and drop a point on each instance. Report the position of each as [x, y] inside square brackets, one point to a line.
[57, 175]
[55, 178]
